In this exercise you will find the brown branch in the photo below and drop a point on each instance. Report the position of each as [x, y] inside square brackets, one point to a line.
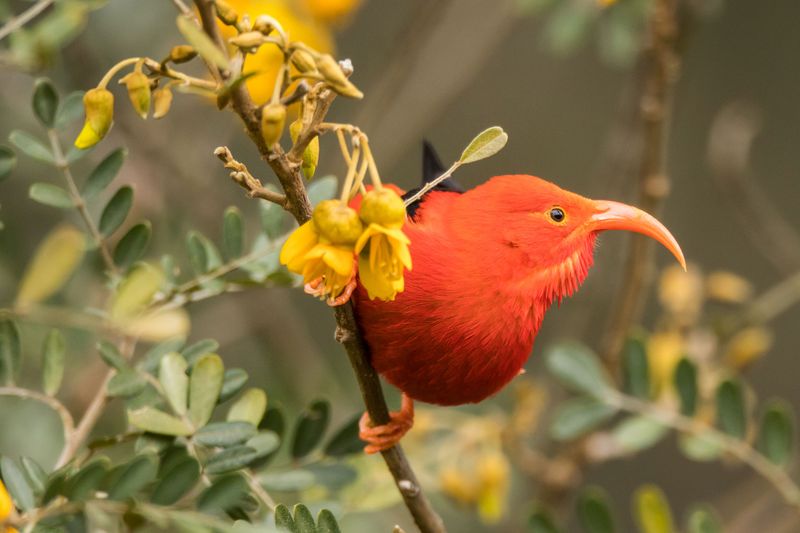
[286, 168]
[242, 176]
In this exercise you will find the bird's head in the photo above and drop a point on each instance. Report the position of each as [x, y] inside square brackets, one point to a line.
[552, 231]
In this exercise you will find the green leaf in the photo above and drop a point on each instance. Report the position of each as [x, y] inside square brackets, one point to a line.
[8, 160]
[685, 380]
[126, 383]
[310, 428]
[198, 259]
[197, 350]
[110, 355]
[637, 433]
[50, 195]
[652, 510]
[10, 351]
[636, 372]
[703, 519]
[284, 520]
[75, 154]
[225, 493]
[230, 459]
[157, 421]
[205, 384]
[594, 514]
[326, 522]
[577, 368]
[250, 407]
[232, 233]
[174, 381]
[104, 173]
[35, 474]
[541, 522]
[83, 484]
[201, 42]
[731, 416]
[485, 144]
[233, 382]
[31, 146]
[136, 291]
[303, 519]
[701, 446]
[272, 217]
[224, 433]
[274, 421]
[264, 443]
[70, 109]
[568, 26]
[116, 210]
[776, 434]
[45, 102]
[176, 481]
[136, 476]
[323, 188]
[133, 244]
[289, 481]
[346, 440]
[53, 361]
[152, 359]
[17, 484]
[578, 416]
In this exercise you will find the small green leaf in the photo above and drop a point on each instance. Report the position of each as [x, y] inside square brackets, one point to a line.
[70, 109]
[541, 522]
[250, 407]
[594, 514]
[195, 36]
[776, 434]
[652, 511]
[45, 102]
[152, 359]
[224, 433]
[157, 421]
[578, 368]
[289, 481]
[195, 351]
[10, 351]
[272, 217]
[233, 382]
[110, 355]
[578, 416]
[225, 493]
[205, 384]
[485, 144]
[232, 233]
[323, 188]
[53, 361]
[17, 484]
[8, 160]
[176, 481]
[303, 519]
[136, 291]
[731, 416]
[50, 195]
[132, 245]
[84, 483]
[326, 522]
[701, 446]
[31, 146]
[126, 383]
[174, 381]
[274, 421]
[637, 433]
[104, 173]
[703, 519]
[636, 372]
[35, 474]
[685, 379]
[116, 210]
[346, 440]
[284, 520]
[230, 459]
[310, 428]
[139, 473]
[264, 443]
[198, 259]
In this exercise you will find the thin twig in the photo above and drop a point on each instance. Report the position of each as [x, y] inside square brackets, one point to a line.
[23, 18]
[66, 418]
[242, 176]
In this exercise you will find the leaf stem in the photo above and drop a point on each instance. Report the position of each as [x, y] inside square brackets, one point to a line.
[431, 184]
[23, 18]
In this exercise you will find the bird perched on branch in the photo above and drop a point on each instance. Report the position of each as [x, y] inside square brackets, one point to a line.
[488, 263]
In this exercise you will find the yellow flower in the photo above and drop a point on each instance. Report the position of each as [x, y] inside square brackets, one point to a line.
[493, 478]
[98, 104]
[331, 11]
[6, 506]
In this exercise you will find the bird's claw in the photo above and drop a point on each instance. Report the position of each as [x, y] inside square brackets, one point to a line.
[317, 288]
[383, 437]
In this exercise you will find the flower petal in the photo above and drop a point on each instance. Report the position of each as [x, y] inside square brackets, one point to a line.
[299, 243]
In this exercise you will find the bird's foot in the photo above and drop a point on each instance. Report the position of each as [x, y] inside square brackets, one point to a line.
[381, 438]
[317, 288]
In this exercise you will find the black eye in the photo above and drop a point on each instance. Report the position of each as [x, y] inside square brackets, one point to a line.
[556, 214]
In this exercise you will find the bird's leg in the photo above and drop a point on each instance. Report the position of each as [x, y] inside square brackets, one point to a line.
[383, 437]
[346, 293]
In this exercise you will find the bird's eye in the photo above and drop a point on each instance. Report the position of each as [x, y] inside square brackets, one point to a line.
[556, 214]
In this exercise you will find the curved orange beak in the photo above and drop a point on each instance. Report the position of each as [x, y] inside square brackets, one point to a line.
[615, 215]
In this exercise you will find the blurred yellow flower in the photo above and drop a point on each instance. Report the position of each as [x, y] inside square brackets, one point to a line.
[747, 346]
[664, 350]
[457, 485]
[493, 481]
[728, 287]
[330, 11]
[6, 507]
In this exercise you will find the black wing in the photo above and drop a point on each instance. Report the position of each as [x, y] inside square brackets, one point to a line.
[431, 169]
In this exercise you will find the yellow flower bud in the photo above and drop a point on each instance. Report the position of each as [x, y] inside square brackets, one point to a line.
[334, 76]
[98, 104]
[263, 25]
[310, 154]
[383, 206]
[182, 53]
[248, 41]
[273, 118]
[303, 61]
[337, 222]
[6, 505]
[162, 101]
[226, 13]
[138, 86]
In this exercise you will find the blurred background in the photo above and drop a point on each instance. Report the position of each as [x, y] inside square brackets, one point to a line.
[562, 77]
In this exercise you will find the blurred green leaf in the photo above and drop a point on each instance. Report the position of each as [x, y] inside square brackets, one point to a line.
[284, 520]
[132, 245]
[104, 173]
[50, 195]
[53, 361]
[685, 379]
[568, 26]
[636, 372]
[637, 433]
[323, 188]
[10, 351]
[136, 291]
[35, 474]
[272, 217]
[303, 520]
[310, 428]
[233, 382]
[289, 481]
[197, 253]
[75, 154]
[52, 265]
[139, 473]
[17, 484]
[176, 482]
[116, 210]
[264, 443]
[83, 484]
[485, 144]
[620, 37]
[110, 355]
[174, 381]
[346, 440]
[224, 433]
[230, 459]
[126, 383]
[703, 519]
[274, 421]
[232, 233]
[731, 416]
[70, 109]
[8, 160]
[701, 446]
[652, 511]
[250, 407]
[776, 434]
[594, 513]
[578, 368]
[195, 351]
[152, 359]
[326, 522]
[31, 146]
[195, 36]
[541, 522]
[578, 416]
[224, 493]
[152, 443]
[45, 102]
[205, 384]
[157, 421]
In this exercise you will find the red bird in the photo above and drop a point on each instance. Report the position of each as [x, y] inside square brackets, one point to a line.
[487, 264]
